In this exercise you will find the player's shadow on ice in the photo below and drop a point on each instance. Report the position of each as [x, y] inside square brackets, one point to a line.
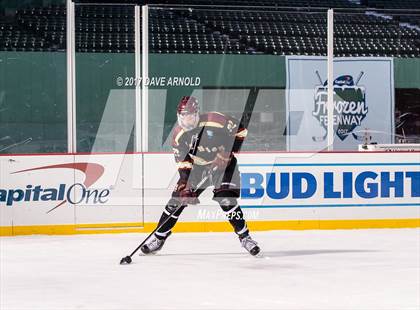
[312, 252]
[274, 253]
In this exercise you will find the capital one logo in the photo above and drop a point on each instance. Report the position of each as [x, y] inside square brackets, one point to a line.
[350, 106]
[77, 193]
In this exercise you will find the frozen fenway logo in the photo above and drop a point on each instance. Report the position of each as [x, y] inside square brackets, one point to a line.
[77, 193]
[349, 105]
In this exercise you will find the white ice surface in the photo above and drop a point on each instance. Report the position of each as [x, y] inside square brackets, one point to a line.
[338, 269]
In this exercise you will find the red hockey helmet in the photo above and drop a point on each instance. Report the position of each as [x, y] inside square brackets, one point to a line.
[188, 113]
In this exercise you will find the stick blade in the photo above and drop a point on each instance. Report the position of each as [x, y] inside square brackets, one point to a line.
[125, 260]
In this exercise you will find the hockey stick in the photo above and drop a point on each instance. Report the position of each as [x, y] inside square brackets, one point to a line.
[127, 259]
[319, 77]
[15, 144]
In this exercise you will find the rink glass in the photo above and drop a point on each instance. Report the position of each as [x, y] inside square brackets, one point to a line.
[220, 59]
[105, 109]
[274, 81]
[33, 112]
[386, 42]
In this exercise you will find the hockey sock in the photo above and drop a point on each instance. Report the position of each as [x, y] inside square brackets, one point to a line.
[165, 230]
[235, 216]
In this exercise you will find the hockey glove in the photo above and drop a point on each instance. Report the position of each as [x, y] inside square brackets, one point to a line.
[186, 195]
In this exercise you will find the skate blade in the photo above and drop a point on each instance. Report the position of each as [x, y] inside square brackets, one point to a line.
[260, 255]
[148, 254]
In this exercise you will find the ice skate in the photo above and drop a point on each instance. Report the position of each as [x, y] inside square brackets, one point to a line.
[153, 245]
[250, 245]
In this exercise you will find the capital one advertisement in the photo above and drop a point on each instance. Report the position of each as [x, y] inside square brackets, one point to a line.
[69, 189]
[363, 102]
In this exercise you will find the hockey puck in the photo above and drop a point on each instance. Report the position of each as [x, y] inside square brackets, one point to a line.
[125, 260]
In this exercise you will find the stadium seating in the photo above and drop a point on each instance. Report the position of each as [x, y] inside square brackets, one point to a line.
[387, 4]
[254, 31]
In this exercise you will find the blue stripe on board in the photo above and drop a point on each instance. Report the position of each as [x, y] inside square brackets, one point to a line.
[330, 165]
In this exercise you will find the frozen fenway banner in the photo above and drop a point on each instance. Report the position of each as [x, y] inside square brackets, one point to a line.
[363, 101]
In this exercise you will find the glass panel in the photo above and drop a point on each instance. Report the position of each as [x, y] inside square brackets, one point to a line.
[105, 112]
[235, 62]
[105, 64]
[306, 70]
[33, 113]
[376, 71]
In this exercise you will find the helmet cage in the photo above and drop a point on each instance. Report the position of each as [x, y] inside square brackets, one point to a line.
[188, 120]
[188, 113]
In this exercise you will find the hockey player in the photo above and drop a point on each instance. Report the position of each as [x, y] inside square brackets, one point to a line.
[204, 144]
